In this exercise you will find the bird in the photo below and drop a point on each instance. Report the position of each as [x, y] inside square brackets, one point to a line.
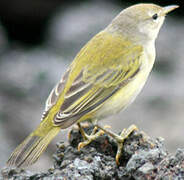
[105, 77]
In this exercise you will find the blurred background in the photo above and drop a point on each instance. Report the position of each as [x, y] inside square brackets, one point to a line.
[38, 39]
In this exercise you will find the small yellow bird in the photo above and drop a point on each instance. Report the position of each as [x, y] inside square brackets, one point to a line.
[104, 78]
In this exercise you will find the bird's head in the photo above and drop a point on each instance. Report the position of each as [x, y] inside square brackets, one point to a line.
[141, 21]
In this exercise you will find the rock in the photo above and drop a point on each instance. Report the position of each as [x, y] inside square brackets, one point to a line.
[142, 158]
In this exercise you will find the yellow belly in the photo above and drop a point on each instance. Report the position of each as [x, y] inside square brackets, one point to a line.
[127, 94]
[123, 97]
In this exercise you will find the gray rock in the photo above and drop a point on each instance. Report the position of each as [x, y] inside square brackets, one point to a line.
[147, 160]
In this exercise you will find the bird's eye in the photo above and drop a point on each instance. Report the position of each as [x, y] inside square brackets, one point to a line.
[155, 17]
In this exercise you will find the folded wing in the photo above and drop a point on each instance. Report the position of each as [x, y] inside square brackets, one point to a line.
[94, 76]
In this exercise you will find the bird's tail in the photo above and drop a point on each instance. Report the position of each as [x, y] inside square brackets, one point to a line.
[33, 146]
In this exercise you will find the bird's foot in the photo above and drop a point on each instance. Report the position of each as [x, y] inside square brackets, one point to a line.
[119, 138]
[88, 138]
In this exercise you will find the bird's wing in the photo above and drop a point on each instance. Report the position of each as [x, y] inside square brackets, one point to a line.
[102, 67]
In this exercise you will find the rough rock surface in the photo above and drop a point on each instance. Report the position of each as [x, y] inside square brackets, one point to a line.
[142, 159]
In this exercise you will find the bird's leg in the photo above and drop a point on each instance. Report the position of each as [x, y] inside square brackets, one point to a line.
[88, 138]
[119, 138]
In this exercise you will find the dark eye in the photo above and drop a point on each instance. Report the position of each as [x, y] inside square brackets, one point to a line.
[155, 16]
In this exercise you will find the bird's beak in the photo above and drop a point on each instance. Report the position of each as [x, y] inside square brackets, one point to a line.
[170, 8]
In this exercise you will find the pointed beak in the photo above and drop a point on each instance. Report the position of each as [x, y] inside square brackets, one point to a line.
[170, 8]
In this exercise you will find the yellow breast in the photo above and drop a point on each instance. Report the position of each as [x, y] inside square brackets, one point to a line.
[127, 94]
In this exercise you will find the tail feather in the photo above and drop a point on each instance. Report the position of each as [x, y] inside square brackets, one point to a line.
[31, 148]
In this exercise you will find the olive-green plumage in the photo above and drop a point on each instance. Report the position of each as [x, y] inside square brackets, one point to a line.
[105, 76]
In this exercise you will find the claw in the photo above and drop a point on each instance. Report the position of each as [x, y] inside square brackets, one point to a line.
[81, 145]
[118, 154]
[120, 138]
[88, 138]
